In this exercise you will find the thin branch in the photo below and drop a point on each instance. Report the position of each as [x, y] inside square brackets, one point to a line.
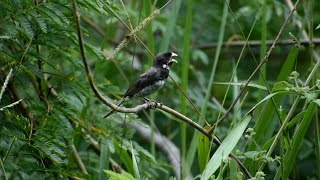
[21, 106]
[4, 86]
[192, 104]
[165, 5]
[23, 55]
[78, 160]
[3, 170]
[257, 43]
[38, 82]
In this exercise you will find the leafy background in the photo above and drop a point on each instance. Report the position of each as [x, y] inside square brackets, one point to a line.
[51, 121]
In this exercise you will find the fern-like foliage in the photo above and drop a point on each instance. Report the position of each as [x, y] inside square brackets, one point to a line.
[55, 108]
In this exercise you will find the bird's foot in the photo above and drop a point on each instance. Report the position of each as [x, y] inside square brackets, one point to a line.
[151, 104]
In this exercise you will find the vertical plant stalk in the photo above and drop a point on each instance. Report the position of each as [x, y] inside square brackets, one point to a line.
[263, 49]
[184, 86]
[3, 170]
[217, 55]
[193, 147]
[151, 44]
[78, 159]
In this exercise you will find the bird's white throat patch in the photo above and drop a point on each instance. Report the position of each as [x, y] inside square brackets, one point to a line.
[165, 66]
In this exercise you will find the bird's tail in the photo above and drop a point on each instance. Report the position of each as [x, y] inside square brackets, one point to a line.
[112, 110]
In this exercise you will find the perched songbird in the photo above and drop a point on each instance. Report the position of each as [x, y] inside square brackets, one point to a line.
[150, 81]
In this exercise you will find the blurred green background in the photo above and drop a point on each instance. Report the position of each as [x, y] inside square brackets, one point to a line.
[52, 124]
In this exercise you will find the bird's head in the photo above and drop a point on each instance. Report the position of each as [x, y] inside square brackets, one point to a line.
[164, 60]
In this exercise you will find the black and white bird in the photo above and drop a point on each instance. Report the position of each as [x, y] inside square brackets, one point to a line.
[150, 81]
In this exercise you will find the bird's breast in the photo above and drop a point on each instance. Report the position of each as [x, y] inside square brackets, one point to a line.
[149, 89]
[159, 83]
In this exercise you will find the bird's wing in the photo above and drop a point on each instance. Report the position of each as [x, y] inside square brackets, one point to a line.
[144, 80]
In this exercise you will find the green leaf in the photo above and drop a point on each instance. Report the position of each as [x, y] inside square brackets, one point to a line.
[47, 152]
[144, 153]
[310, 96]
[135, 164]
[31, 166]
[225, 148]
[34, 69]
[263, 100]
[95, 51]
[40, 21]
[318, 27]
[233, 169]
[317, 101]
[49, 14]
[296, 119]
[26, 26]
[241, 84]
[282, 86]
[251, 154]
[124, 156]
[203, 151]
[54, 14]
[117, 176]
[198, 54]
[288, 66]
[103, 160]
[94, 5]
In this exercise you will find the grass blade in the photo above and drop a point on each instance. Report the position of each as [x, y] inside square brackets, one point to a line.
[135, 164]
[103, 161]
[184, 86]
[194, 141]
[203, 151]
[225, 148]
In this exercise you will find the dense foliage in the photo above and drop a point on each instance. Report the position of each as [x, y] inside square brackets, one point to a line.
[52, 123]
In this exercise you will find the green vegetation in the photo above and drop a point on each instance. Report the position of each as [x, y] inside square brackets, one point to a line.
[233, 107]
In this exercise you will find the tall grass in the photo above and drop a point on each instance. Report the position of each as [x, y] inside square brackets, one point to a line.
[194, 142]
[184, 85]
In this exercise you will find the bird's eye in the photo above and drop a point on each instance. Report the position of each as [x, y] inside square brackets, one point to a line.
[164, 66]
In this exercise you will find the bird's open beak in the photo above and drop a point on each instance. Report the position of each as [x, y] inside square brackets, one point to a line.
[173, 60]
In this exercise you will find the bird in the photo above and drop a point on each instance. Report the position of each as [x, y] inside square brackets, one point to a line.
[150, 81]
